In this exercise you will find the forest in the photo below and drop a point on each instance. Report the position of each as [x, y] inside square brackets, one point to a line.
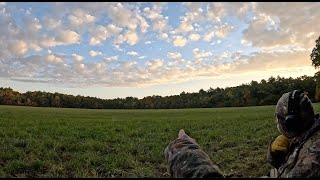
[265, 92]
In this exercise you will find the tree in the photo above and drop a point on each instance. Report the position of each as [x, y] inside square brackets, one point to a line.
[266, 92]
[56, 101]
[315, 58]
[317, 93]
[315, 55]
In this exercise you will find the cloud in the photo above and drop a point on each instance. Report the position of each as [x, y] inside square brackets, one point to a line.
[123, 16]
[194, 14]
[101, 33]
[159, 25]
[174, 55]
[255, 62]
[113, 29]
[49, 42]
[156, 10]
[68, 37]
[35, 47]
[216, 11]
[208, 36]
[262, 61]
[77, 57]
[185, 26]
[120, 39]
[130, 37]
[80, 69]
[94, 41]
[132, 53]
[127, 65]
[159, 22]
[173, 32]
[153, 15]
[55, 58]
[94, 53]
[154, 64]
[80, 17]
[279, 41]
[117, 47]
[194, 6]
[194, 37]
[112, 58]
[200, 54]
[238, 9]
[18, 47]
[32, 25]
[220, 32]
[223, 31]
[51, 23]
[155, 71]
[191, 17]
[163, 36]
[29, 80]
[259, 35]
[271, 27]
[179, 41]
[144, 26]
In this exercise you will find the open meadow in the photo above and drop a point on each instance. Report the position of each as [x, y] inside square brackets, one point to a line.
[57, 142]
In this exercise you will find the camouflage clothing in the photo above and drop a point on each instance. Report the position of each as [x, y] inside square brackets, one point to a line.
[186, 159]
[302, 158]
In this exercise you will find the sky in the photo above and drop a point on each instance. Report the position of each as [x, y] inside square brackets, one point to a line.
[112, 49]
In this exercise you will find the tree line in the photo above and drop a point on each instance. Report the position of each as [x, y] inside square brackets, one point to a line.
[265, 92]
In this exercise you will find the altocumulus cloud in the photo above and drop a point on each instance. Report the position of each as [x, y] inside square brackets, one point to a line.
[140, 44]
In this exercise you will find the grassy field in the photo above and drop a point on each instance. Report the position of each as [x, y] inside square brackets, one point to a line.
[55, 142]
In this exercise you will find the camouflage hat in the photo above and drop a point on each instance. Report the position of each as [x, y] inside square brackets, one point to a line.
[306, 114]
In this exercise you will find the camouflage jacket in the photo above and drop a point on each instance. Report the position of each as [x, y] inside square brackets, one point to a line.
[303, 157]
[187, 160]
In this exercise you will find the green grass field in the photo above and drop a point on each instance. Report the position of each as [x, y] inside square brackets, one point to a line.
[55, 142]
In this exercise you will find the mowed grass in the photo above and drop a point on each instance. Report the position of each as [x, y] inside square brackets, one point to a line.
[56, 142]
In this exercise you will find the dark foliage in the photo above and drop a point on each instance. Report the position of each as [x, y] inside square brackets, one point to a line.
[265, 92]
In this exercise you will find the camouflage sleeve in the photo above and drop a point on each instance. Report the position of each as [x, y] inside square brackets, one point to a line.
[187, 160]
[308, 164]
[275, 158]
